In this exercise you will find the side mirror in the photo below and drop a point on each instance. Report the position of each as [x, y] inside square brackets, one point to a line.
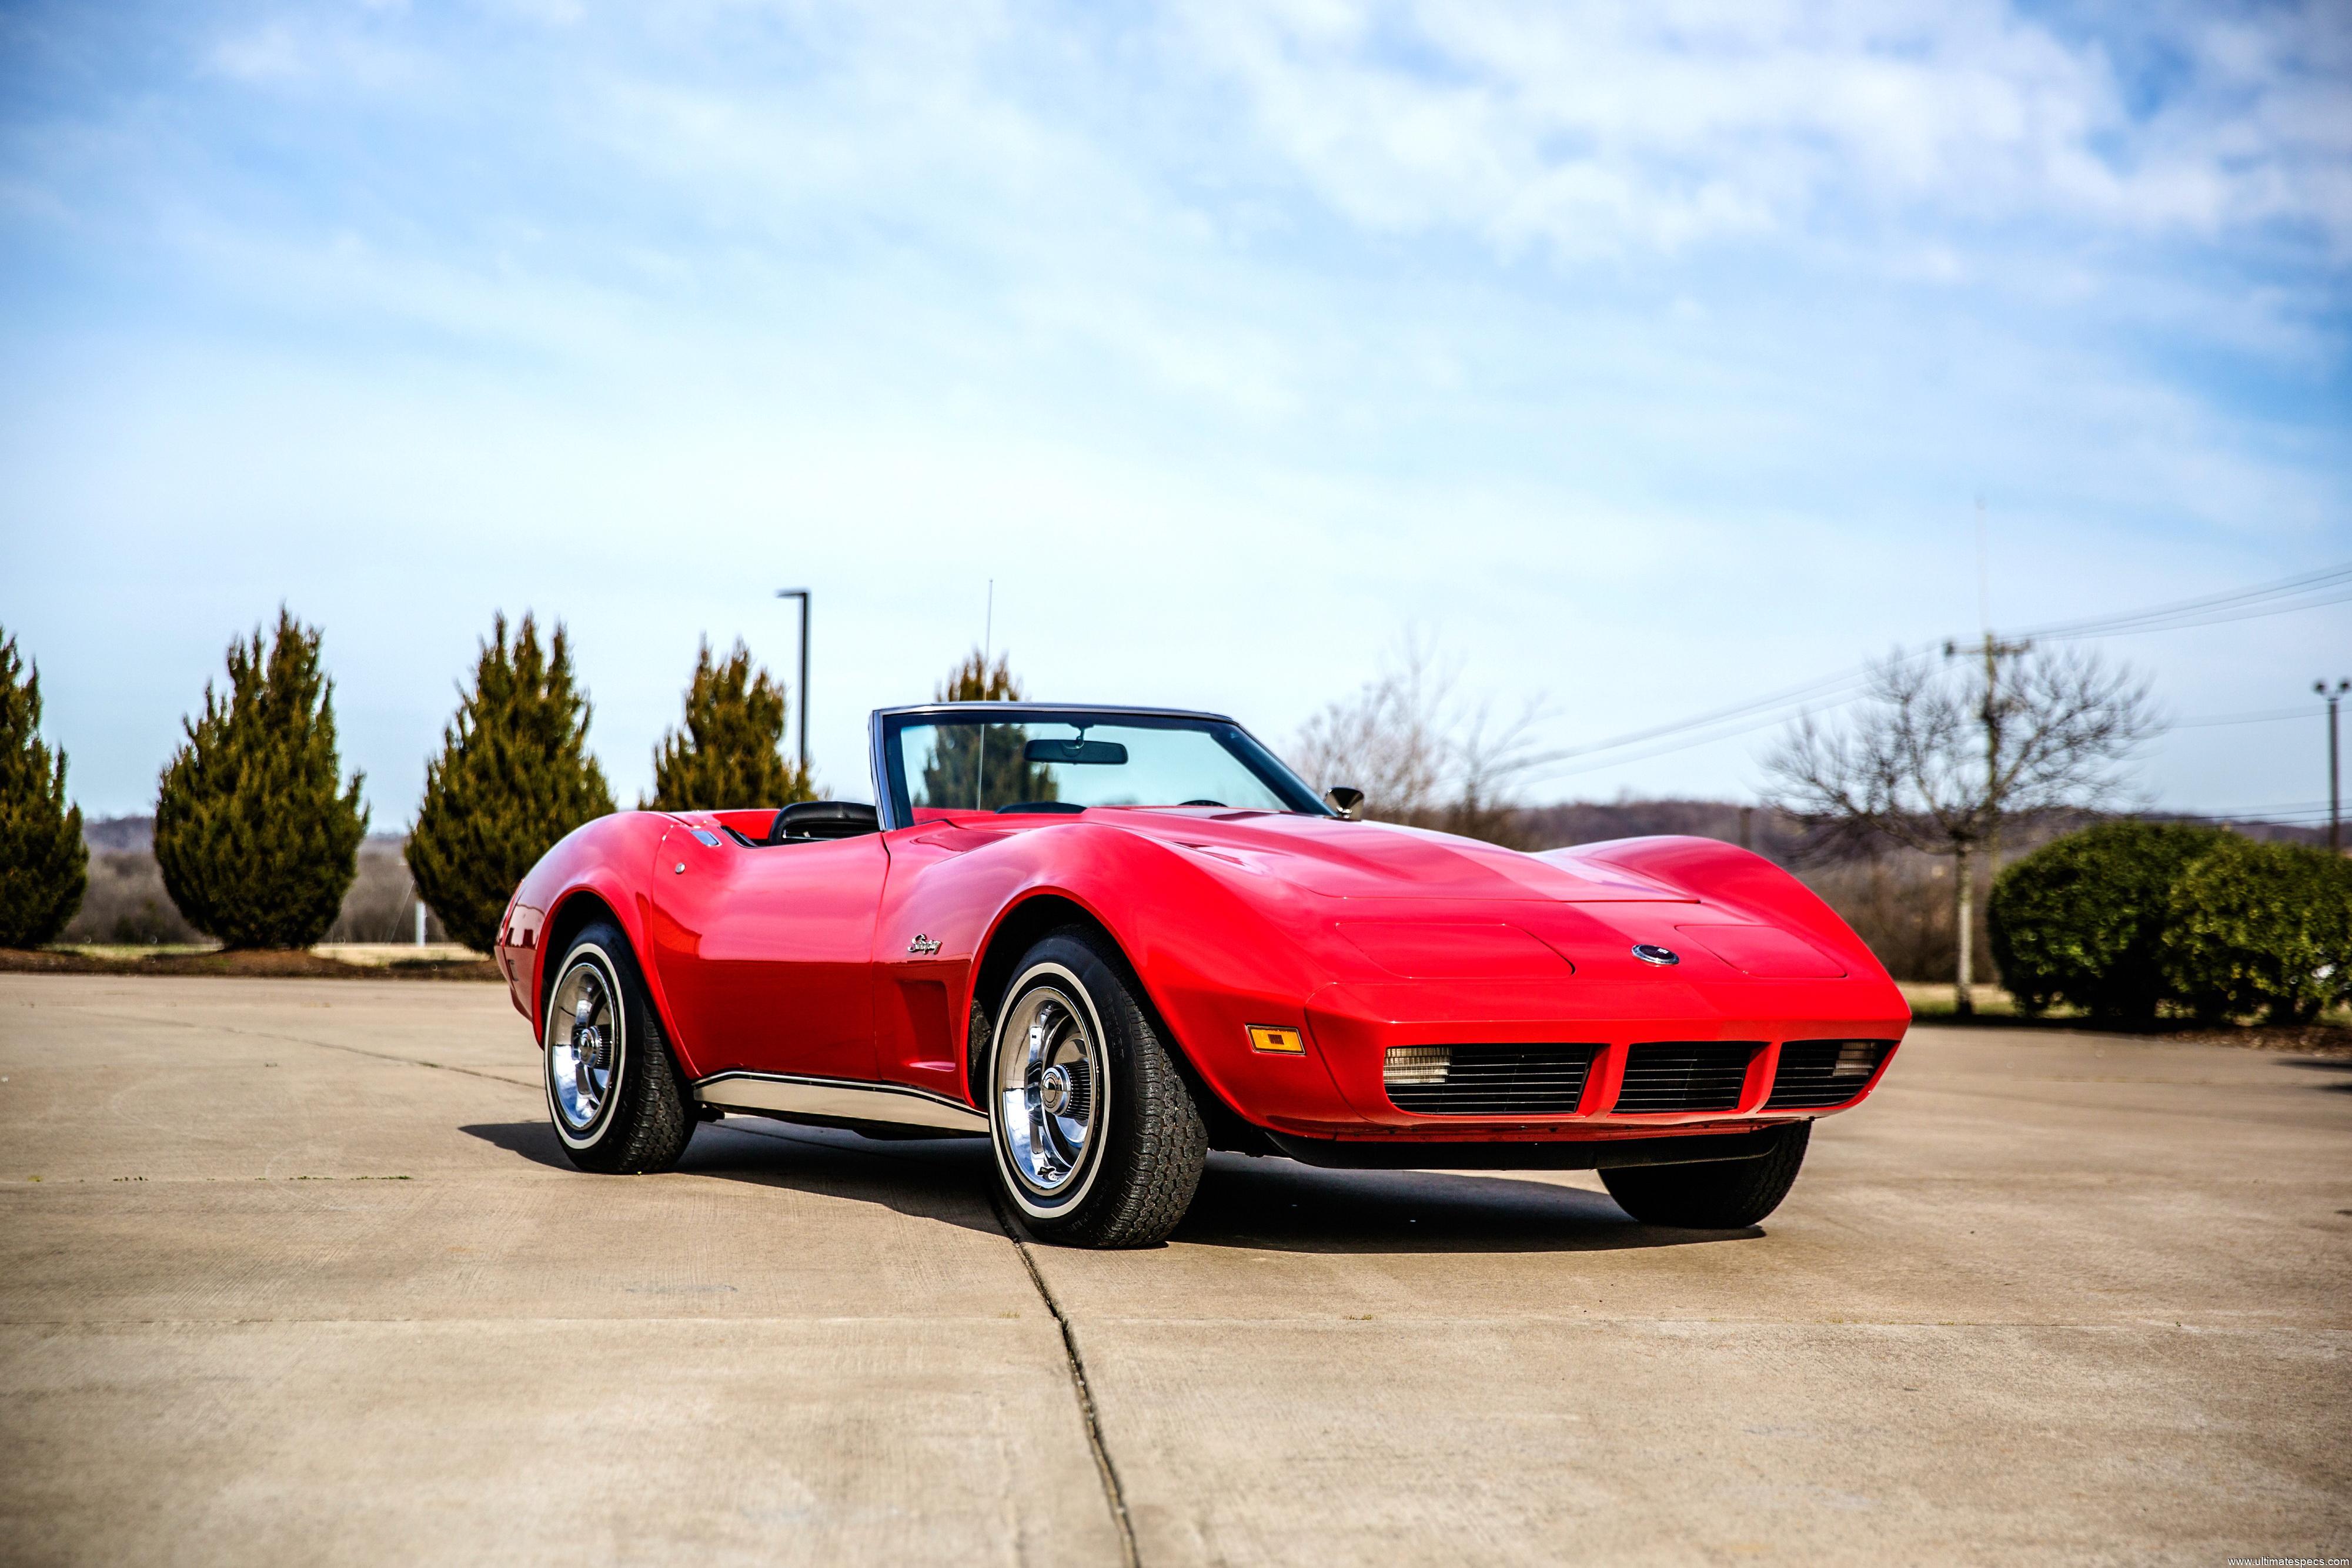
[1344, 800]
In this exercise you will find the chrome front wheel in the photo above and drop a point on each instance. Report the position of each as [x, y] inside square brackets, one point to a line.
[1051, 1087]
[1097, 1140]
[585, 1028]
[615, 1094]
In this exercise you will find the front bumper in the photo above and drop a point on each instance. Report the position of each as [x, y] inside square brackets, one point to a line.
[1351, 1028]
[1506, 1153]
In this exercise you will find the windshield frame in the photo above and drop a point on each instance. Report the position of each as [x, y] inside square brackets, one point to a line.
[891, 795]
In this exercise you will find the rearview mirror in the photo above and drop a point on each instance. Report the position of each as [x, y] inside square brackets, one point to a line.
[1344, 800]
[1106, 753]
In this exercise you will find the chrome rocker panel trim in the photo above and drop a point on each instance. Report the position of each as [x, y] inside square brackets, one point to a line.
[838, 1099]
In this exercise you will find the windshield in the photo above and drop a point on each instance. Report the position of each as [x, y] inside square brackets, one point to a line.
[1067, 762]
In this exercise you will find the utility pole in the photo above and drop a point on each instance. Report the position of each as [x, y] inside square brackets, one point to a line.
[801, 696]
[2335, 767]
[1964, 875]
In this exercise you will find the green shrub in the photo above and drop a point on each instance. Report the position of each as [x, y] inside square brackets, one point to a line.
[2261, 928]
[727, 753]
[513, 777]
[255, 834]
[44, 864]
[2082, 919]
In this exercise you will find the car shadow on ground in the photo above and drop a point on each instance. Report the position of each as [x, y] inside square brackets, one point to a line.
[932, 1178]
[2341, 1066]
[1281, 1205]
[1266, 1204]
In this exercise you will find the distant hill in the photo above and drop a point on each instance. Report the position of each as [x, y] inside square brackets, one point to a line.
[1760, 827]
[136, 835]
[1781, 838]
[127, 901]
[118, 835]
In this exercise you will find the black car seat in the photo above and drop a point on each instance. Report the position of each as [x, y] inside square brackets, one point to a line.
[822, 819]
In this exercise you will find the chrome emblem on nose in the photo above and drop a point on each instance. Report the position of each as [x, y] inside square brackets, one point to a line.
[1650, 953]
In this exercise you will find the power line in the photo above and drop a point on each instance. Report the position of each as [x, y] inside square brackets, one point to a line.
[2249, 612]
[2274, 717]
[2279, 597]
[1788, 697]
[2236, 604]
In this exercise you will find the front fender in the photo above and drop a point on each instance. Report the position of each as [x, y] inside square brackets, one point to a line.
[609, 859]
[1211, 958]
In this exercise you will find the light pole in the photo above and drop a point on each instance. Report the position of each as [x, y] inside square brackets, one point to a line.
[802, 595]
[2335, 767]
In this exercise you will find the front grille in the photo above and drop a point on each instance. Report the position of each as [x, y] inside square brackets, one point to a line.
[1686, 1074]
[1820, 1072]
[1487, 1080]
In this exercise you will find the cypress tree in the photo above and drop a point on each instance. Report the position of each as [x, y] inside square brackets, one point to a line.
[44, 864]
[975, 681]
[726, 754]
[980, 767]
[513, 777]
[256, 836]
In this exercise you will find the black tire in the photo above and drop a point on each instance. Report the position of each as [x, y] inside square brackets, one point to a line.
[642, 1116]
[1145, 1141]
[1714, 1195]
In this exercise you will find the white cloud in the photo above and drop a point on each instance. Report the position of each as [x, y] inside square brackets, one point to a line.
[266, 55]
[1604, 129]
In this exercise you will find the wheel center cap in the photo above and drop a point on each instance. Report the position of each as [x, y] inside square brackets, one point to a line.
[1054, 1091]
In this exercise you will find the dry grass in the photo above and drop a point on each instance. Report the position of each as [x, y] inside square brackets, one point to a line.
[320, 964]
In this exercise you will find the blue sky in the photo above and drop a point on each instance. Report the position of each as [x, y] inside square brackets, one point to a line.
[1642, 358]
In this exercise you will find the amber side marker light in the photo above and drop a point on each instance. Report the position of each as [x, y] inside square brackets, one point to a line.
[1278, 1042]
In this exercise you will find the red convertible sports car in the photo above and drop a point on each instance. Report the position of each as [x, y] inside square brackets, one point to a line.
[1111, 939]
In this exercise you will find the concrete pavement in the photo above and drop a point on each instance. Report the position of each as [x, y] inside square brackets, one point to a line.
[304, 1277]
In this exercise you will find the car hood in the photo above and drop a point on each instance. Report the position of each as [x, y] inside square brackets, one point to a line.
[1382, 860]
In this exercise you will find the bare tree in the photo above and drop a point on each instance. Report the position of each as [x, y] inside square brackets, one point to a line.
[1941, 753]
[1422, 754]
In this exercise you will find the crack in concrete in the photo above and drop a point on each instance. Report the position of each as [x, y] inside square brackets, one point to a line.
[1114, 1493]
